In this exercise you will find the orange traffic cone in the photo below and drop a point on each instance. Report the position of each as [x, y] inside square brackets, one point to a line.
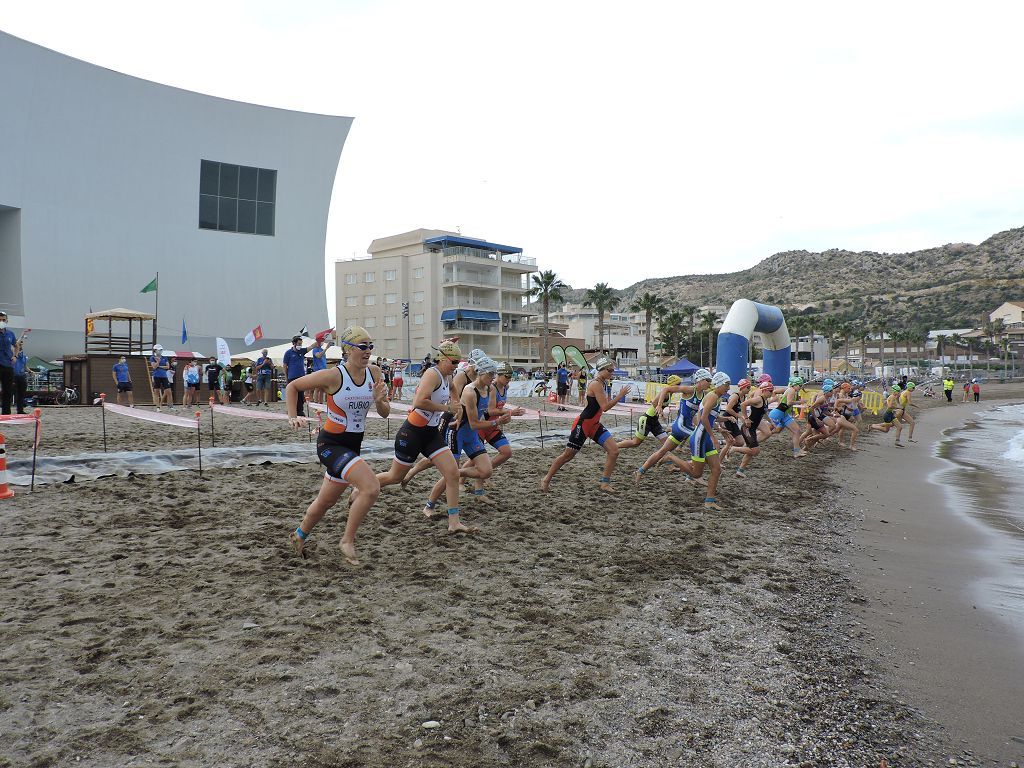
[5, 489]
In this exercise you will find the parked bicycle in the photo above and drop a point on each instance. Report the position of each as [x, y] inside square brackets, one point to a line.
[68, 397]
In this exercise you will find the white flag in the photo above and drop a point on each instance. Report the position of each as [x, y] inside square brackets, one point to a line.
[223, 353]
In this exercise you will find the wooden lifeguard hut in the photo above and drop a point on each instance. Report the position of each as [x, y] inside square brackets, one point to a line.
[108, 335]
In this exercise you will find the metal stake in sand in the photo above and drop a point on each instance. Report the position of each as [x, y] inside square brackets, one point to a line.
[213, 436]
[35, 444]
[103, 410]
[199, 439]
[309, 427]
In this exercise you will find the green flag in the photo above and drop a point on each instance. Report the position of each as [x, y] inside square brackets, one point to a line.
[150, 287]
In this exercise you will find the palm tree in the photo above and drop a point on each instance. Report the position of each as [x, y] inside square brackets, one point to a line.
[670, 330]
[708, 320]
[548, 288]
[602, 297]
[879, 328]
[651, 306]
[846, 330]
[998, 329]
[940, 343]
[957, 340]
[829, 326]
[690, 315]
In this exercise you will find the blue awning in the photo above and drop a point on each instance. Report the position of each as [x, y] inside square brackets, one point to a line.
[447, 241]
[470, 314]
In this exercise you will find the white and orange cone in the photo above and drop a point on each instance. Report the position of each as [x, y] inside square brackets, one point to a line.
[5, 489]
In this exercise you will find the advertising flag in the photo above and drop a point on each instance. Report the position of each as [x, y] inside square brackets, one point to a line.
[223, 353]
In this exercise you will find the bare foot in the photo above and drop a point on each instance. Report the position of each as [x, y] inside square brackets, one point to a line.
[298, 545]
[607, 488]
[713, 505]
[545, 484]
[461, 527]
[484, 498]
[348, 551]
[799, 455]
[637, 476]
[899, 444]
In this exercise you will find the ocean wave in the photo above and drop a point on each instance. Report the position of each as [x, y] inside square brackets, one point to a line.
[1015, 450]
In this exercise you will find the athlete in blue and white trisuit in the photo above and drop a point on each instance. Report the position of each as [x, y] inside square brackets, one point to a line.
[781, 417]
[819, 424]
[703, 448]
[476, 414]
[682, 427]
[493, 436]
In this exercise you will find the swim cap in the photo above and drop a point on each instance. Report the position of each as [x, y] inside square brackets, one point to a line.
[828, 386]
[845, 386]
[602, 363]
[743, 384]
[911, 385]
[767, 386]
[673, 380]
[504, 369]
[486, 365]
[720, 378]
[795, 381]
[475, 355]
[764, 377]
[702, 374]
[896, 388]
[830, 382]
[354, 334]
[449, 349]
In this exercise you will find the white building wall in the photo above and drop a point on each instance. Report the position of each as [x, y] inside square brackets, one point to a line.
[100, 173]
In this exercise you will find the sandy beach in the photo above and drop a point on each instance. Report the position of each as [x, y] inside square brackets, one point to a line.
[160, 619]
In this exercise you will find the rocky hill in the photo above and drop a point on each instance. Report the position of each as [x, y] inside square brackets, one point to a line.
[946, 287]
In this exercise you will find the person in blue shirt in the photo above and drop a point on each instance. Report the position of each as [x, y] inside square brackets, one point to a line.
[295, 365]
[159, 366]
[563, 385]
[7, 355]
[264, 370]
[319, 353]
[123, 380]
[20, 377]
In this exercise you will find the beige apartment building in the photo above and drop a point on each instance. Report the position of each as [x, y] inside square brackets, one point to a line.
[454, 286]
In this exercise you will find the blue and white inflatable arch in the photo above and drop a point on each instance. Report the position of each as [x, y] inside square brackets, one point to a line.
[745, 318]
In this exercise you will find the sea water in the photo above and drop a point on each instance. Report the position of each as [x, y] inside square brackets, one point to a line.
[985, 480]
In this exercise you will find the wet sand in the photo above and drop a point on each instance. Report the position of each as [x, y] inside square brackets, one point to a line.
[918, 563]
[164, 620]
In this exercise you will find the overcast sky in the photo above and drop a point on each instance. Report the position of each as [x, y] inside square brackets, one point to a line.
[615, 141]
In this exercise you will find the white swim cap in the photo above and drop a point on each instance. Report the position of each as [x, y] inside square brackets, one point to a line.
[703, 374]
[720, 378]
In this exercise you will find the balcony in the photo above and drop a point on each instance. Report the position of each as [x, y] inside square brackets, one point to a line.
[461, 300]
[469, 277]
[474, 326]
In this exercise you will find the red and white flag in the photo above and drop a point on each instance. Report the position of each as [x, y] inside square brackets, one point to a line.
[254, 335]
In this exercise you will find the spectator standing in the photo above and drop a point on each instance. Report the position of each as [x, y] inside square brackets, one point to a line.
[159, 367]
[399, 382]
[947, 387]
[7, 354]
[123, 380]
[172, 370]
[562, 375]
[976, 389]
[264, 371]
[212, 371]
[226, 379]
[967, 390]
[20, 377]
[319, 352]
[192, 378]
[247, 382]
[295, 366]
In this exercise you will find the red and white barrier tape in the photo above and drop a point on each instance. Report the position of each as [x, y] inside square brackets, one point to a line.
[246, 414]
[158, 418]
[369, 414]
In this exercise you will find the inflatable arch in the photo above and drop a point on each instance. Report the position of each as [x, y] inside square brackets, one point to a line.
[744, 318]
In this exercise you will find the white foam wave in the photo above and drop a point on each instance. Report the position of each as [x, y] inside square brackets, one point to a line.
[1015, 451]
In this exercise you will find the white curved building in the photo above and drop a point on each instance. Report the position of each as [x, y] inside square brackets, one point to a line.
[107, 179]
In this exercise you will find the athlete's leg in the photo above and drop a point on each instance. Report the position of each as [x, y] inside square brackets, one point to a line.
[611, 451]
[330, 492]
[414, 470]
[560, 461]
[394, 475]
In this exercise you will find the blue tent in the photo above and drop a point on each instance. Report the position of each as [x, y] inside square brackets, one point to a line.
[681, 368]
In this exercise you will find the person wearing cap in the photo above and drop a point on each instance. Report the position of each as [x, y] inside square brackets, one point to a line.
[755, 425]
[8, 341]
[123, 381]
[818, 426]
[890, 415]
[649, 423]
[846, 411]
[588, 425]
[734, 424]
[976, 389]
[353, 388]
[947, 387]
[682, 427]
[478, 412]
[159, 366]
[905, 405]
[464, 373]
[780, 415]
[493, 435]
[703, 447]
[264, 372]
[419, 435]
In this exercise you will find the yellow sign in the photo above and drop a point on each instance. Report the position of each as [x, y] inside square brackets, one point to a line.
[89, 325]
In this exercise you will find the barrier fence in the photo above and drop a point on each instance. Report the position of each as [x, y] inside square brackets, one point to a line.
[15, 420]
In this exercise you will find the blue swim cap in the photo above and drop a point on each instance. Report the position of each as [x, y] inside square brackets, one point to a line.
[828, 386]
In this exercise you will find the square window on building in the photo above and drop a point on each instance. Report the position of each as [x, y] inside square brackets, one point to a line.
[390, 320]
[351, 301]
[390, 274]
[390, 298]
[351, 321]
[369, 322]
[369, 301]
[417, 319]
[418, 296]
[369, 277]
[418, 272]
[351, 278]
[235, 198]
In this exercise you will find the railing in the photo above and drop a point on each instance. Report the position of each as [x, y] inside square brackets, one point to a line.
[475, 278]
[471, 325]
[456, 253]
[460, 302]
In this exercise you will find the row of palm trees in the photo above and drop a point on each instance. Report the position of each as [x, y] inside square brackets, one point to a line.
[685, 328]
